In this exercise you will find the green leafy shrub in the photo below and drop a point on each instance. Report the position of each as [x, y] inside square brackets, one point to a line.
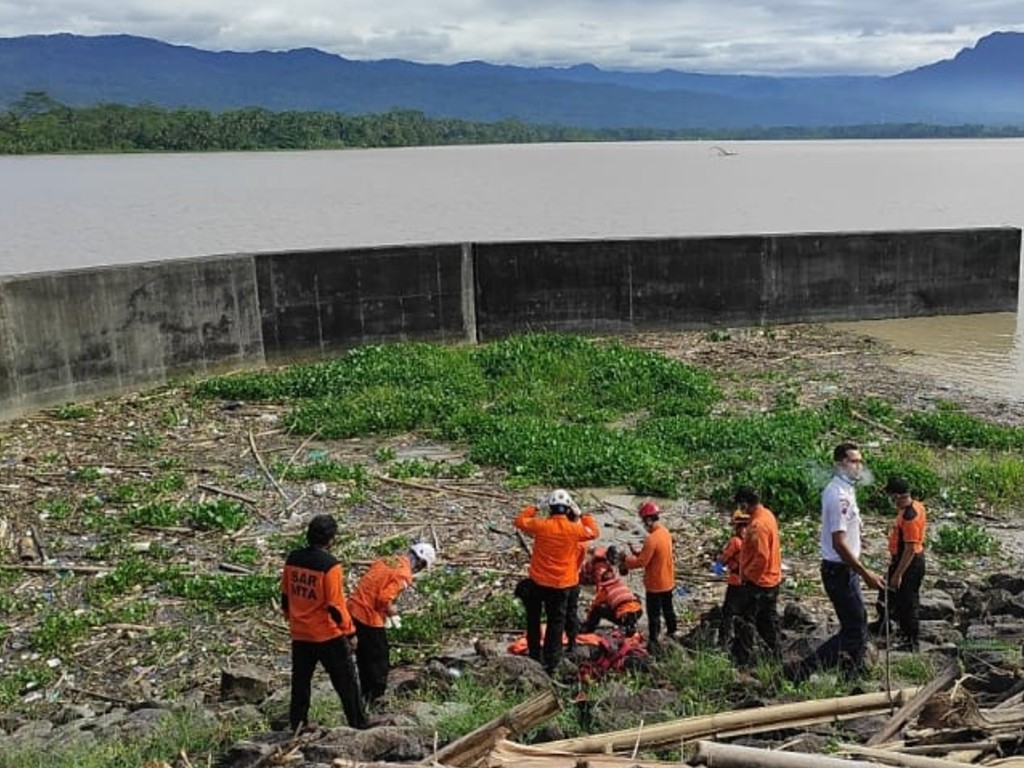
[951, 426]
[964, 539]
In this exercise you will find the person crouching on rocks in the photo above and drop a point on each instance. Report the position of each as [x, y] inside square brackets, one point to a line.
[554, 571]
[613, 601]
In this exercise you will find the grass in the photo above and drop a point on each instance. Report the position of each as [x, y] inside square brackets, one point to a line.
[181, 732]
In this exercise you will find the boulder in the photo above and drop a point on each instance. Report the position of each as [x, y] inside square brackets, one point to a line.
[936, 604]
[244, 682]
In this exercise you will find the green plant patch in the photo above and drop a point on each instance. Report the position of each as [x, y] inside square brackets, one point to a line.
[218, 515]
[73, 411]
[964, 539]
[218, 589]
[950, 426]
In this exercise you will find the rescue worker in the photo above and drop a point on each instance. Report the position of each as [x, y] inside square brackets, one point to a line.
[554, 570]
[614, 601]
[906, 564]
[657, 560]
[728, 563]
[761, 572]
[372, 605]
[313, 603]
[842, 570]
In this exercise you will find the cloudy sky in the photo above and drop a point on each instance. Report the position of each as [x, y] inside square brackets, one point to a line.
[728, 36]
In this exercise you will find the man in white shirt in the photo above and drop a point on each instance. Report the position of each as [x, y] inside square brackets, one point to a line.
[841, 570]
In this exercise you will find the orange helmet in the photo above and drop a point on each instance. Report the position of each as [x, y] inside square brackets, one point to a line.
[648, 509]
[739, 517]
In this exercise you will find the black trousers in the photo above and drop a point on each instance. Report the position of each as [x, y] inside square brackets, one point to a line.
[847, 648]
[551, 602]
[336, 657]
[732, 606]
[626, 621]
[659, 603]
[373, 659]
[905, 602]
[572, 615]
[761, 607]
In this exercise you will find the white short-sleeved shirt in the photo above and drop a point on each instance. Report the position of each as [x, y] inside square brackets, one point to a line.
[839, 512]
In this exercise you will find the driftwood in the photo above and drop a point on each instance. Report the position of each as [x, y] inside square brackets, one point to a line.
[888, 757]
[941, 682]
[717, 755]
[734, 723]
[475, 745]
[513, 755]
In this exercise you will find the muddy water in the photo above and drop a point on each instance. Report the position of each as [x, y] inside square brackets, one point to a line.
[979, 354]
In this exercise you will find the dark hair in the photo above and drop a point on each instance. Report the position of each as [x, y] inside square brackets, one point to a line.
[746, 495]
[843, 450]
[321, 531]
[897, 485]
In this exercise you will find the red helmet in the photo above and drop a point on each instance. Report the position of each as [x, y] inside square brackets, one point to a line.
[600, 553]
[648, 509]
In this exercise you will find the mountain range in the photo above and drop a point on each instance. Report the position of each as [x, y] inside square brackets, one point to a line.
[982, 85]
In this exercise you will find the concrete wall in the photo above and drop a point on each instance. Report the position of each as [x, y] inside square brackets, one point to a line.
[78, 334]
[330, 300]
[697, 282]
[70, 335]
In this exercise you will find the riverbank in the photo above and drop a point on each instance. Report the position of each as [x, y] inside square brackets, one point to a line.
[144, 533]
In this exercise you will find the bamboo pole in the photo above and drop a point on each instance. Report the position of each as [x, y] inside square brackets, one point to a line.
[735, 722]
[888, 757]
[509, 754]
[470, 748]
[716, 755]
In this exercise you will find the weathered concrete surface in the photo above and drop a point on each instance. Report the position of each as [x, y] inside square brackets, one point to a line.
[78, 334]
[695, 282]
[70, 335]
[331, 300]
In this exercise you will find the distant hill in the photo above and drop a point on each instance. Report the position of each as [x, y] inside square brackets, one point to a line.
[981, 85]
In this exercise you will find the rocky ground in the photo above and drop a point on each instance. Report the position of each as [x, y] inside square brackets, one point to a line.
[67, 476]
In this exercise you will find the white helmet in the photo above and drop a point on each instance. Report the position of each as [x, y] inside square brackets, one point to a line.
[424, 553]
[561, 498]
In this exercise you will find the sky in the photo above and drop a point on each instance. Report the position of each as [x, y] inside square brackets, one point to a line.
[773, 37]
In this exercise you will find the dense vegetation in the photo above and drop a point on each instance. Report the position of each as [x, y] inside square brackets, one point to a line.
[569, 411]
[38, 124]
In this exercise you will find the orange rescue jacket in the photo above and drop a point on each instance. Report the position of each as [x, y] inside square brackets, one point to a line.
[617, 595]
[761, 555]
[313, 598]
[730, 558]
[370, 602]
[908, 529]
[657, 560]
[556, 539]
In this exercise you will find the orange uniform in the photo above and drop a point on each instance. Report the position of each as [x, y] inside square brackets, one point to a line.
[616, 594]
[312, 597]
[761, 555]
[730, 558]
[657, 560]
[556, 539]
[371, 601]
[908, 529]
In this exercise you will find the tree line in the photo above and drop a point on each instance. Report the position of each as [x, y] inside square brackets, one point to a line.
[37, 123]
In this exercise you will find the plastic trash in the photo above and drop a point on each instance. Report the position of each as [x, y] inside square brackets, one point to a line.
[718, 569]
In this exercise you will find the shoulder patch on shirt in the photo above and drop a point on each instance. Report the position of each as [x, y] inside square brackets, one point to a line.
[909, 514]
[844, 507]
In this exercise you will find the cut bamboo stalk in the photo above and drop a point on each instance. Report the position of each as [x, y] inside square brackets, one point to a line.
[717, 755]
[475, 745]
[888, 757]
[911, 709]
[509, 754]
[796, 714]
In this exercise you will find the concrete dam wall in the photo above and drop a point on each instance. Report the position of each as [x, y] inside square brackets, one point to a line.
[78, 334]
